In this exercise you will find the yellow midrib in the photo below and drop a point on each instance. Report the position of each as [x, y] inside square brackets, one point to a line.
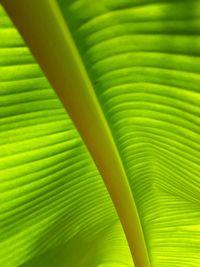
[47, 35]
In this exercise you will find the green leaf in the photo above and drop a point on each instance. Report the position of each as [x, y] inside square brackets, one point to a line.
[54, 208]
[128, 73]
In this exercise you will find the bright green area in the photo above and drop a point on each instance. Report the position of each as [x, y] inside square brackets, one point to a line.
[143, 60]
[52, 200]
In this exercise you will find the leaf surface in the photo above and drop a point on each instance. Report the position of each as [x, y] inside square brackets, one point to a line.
[142, 59]
[53, 205]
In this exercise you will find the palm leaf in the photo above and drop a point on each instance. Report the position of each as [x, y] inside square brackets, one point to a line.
[127, 72]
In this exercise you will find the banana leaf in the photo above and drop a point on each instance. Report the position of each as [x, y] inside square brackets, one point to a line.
[117, 181]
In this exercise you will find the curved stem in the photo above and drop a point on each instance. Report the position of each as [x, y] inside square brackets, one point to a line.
[46, 33]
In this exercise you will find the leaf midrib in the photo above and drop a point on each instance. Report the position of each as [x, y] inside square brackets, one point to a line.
[50, 40]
